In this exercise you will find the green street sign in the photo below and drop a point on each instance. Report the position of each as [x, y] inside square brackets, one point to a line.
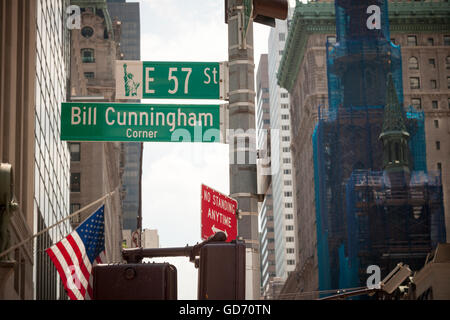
[170, 80]
[140, 122]
[248, 12]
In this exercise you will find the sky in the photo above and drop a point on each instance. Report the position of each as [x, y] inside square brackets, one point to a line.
[180, 30]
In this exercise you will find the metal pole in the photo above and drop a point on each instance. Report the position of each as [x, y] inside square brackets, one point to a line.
[242, 140]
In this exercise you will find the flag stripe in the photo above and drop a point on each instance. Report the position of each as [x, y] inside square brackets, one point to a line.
[79, 242]
[81, 263]
[75, 255]
[67, 259]
[64, 269]
[60, 271]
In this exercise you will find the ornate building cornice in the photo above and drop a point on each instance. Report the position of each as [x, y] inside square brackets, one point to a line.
[319, 17]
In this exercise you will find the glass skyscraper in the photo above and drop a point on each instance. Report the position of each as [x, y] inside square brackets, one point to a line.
[52, 158]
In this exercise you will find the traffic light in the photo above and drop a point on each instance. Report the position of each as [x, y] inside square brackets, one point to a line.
[135, 281]
[266, 11]
[8, 204]
[222, 271]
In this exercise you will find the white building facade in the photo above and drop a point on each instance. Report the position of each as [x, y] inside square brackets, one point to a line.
[283, 204]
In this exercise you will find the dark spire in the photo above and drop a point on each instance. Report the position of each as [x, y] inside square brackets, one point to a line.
[394, 115]
[394, 134]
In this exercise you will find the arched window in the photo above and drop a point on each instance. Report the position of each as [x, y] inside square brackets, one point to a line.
[413, 63]
[87, 55]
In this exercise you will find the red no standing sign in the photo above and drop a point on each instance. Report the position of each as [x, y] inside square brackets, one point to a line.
[218, 214]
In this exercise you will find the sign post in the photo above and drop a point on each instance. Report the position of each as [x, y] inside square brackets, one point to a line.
[218, 213]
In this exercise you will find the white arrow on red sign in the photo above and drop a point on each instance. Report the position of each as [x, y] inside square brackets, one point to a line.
[218, 214]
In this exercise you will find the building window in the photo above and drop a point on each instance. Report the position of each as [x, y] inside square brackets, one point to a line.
[288, 193]
[284, 117]
[448, 102]
[285, 138]
[416, 103]
[436, 124]
[89, 75]
[288, 205]
[432, 63]
[75, 182]
[433, 84]
[284, 95]
[446, 40]
[74, 149]
[266, 100]
[438, 145]
[412, 41]
[331, 39]
[447, 62]
[289, 239]
[448, 82]
[281, 36]
[284, 106]
[74, 207]
[290, 250]
[87, 32]
[287, 171]
[430, 41]
[413, 63]
[289, 228]
[289, 216]
[414, 83]
[286, 160]
[281, 52]
[434, 104]
[284, 127]
[286, 149]
[439, 166]
[287, 182]
[87, 55]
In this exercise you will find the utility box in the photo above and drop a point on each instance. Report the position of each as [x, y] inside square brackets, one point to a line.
[140, 281]
[222, 271]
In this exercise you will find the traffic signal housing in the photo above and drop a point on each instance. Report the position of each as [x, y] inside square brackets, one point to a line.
[135, 281]
[266, 11]
[221, 274]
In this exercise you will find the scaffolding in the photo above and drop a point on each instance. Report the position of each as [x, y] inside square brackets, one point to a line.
[363, 215]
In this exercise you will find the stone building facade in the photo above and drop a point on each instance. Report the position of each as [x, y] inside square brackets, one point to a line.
[424, 37]
[96, 167]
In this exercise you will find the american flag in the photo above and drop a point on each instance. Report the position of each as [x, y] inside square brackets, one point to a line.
[75, 255]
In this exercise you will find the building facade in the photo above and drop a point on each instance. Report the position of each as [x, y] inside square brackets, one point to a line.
[423, 39]
[128, 13]
[34, 74]
[265, 210]
[96, 167]
[281, 160]
[150, 238]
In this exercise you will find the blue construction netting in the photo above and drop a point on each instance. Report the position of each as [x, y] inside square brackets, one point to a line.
[417, 145]
[322, 234]
[352, 191]
[418, 227]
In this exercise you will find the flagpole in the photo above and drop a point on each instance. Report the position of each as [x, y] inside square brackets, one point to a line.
[57, 223]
